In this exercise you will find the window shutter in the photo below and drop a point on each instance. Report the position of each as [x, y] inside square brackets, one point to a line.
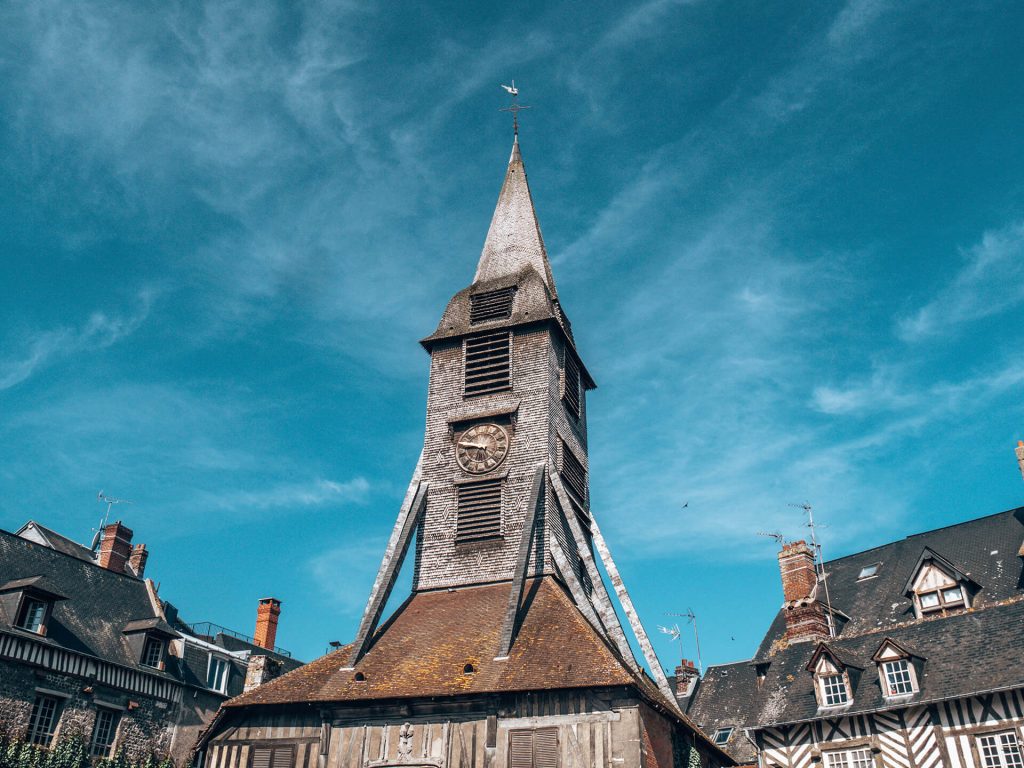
[574, 475]
[520, 749]
[492, 305]
[284, 757]
[545, 748]
[479, 511]
[488, 361]
[261, 757]
[571, 385]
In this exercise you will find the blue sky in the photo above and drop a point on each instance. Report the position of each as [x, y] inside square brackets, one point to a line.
[790, 238]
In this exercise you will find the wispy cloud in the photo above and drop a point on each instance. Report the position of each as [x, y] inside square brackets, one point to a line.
[41, 348]
[991, 282]
[286, 497]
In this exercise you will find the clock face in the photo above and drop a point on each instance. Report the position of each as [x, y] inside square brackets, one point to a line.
[481, 448]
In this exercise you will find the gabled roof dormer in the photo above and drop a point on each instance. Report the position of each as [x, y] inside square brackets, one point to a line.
[938, 587]
[899, 670]
[835, 678]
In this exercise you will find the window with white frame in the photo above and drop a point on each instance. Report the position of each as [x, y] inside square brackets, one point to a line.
[32, 615]
[103, 731]
[217, 674]
[721, 737]
[43, 720]
[153, 652]
[849, 758]
[1000, 750]
[833, 690]
[897, 677]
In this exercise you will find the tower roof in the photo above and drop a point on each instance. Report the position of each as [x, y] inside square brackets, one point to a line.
[514, 241]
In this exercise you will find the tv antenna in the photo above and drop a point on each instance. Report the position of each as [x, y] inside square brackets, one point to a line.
[779, 538]
[110, 501]
[674, 634]
[819, 560]
[691, 618]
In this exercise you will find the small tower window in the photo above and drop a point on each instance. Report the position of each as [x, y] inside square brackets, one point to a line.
[491, 305]
[488, 364]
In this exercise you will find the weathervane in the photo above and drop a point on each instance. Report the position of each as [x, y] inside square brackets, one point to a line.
[514, 107]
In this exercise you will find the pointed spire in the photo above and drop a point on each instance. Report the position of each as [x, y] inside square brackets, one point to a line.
[514, 241]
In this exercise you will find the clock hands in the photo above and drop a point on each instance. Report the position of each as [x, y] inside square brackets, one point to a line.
[479, 446]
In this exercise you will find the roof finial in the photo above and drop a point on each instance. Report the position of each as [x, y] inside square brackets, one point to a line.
[514, 107]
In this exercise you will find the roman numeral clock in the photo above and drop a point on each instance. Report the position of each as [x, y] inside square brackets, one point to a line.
[482, 448]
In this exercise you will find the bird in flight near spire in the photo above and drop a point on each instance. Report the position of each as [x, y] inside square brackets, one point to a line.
[511, 88]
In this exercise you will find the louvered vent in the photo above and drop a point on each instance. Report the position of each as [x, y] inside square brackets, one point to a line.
[574, 475]
[479, 511]
[537, 748]
[571, 385]
[273, 757]
[487, 364]
[492, 305]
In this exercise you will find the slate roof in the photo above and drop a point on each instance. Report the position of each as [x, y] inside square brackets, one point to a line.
[58, 542]
[971, 652]
[99, 603]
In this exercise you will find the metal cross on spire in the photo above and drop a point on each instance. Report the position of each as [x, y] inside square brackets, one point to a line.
[514, 107]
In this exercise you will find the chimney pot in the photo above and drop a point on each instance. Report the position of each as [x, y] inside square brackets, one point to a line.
[267, 613]
[138, 559]
[116, 547]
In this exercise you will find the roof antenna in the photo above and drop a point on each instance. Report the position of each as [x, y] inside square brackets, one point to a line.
[691, 618]
[779, 538]
[819, 561]
[110, 501]
[514, 107]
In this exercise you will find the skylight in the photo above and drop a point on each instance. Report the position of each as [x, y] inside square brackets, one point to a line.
[868, 571]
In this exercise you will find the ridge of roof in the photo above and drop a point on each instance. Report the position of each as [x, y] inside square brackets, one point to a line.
[514, 239]
[62, 553]
[59, 542]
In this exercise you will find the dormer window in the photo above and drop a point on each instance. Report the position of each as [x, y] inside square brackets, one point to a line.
[32, 615]
[834, 692]
[833, 684]
[153, 652]
[937, 587]
[897, 669]
[868, 571]
[30, 601]
[217, 674]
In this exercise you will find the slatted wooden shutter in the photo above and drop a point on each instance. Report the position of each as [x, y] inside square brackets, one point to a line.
[491, 305]
[520, 749]
[545, 748]
[572, 388]
[479, 515]
[537, 748]
[284, 757]
[574, 475]
[261, 757]
[273, 757]
[488, 364]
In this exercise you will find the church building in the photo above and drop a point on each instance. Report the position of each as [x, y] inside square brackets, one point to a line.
[509, 652]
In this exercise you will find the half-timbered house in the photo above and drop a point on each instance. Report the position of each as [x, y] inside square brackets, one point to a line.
[913, 660]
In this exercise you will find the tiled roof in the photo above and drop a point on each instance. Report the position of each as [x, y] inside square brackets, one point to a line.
[423, 650]
[61, 543]
[966, 653]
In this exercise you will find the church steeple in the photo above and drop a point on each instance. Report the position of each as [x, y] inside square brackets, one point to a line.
[514, 241]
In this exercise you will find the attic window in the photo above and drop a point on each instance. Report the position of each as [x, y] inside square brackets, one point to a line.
[479, 511]
[868, 571]
[721, 737]
[573, 474]
[153, 652]
[469, 669]
[834, 691]
[897, 678]
[572, 386]
[32, 615]
[488, 364]
[491, 305]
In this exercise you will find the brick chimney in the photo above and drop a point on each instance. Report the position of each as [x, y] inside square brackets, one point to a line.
[267, 613]
[1020, 456]
[116, 547]
[805, 615]
[138, 559]
[686, 677]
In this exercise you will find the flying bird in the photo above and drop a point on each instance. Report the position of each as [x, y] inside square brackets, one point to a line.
[686, 505]
[511, 88]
